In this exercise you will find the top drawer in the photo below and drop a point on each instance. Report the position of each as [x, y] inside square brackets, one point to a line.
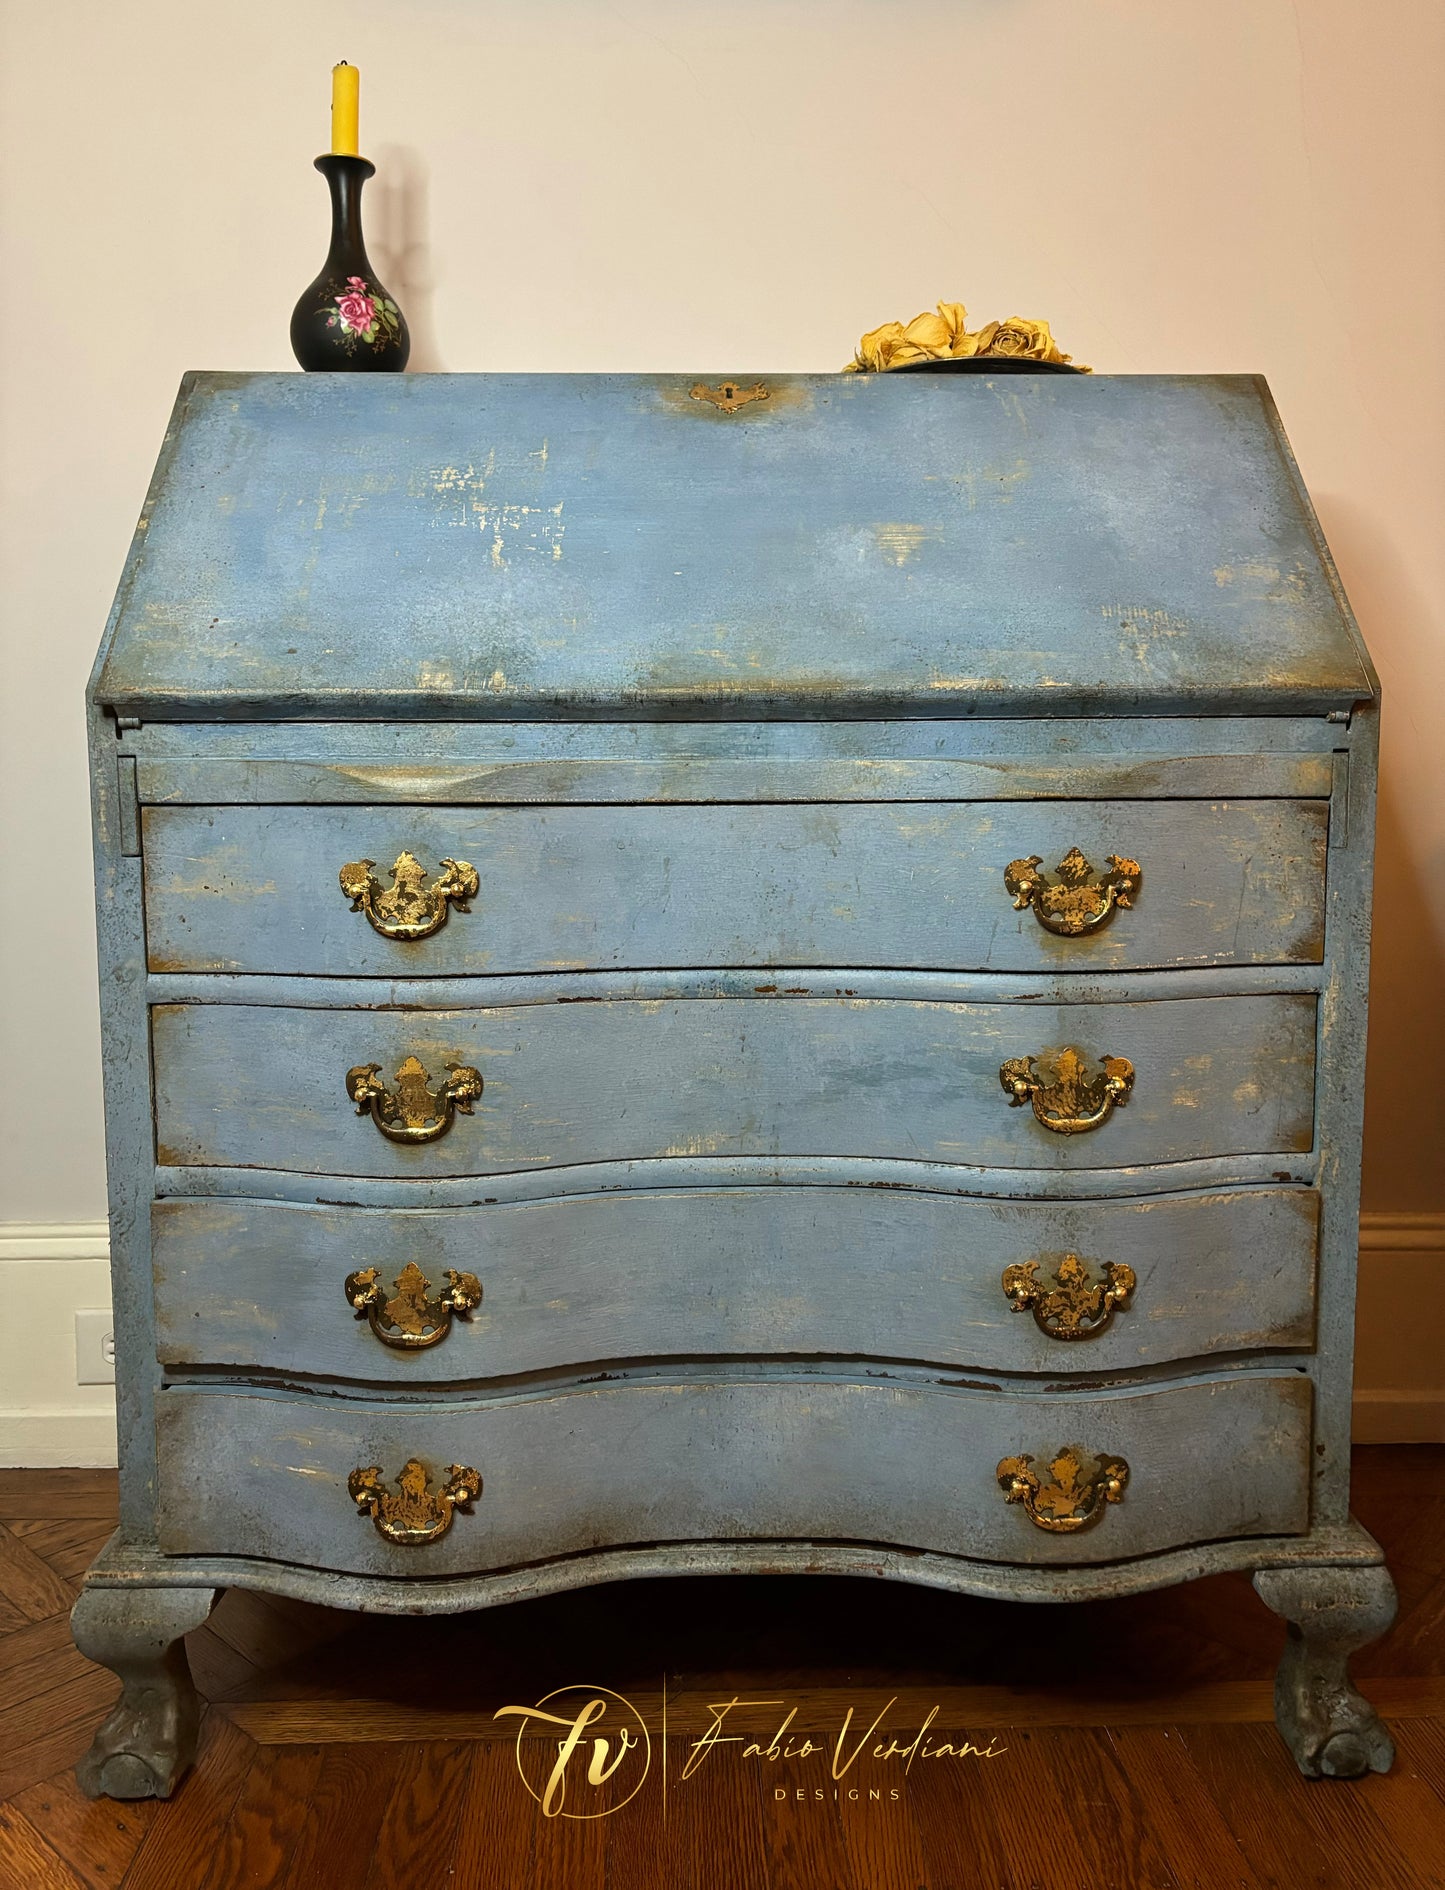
[912, 885]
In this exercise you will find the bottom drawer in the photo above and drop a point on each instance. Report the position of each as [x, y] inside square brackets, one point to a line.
[649, 1460]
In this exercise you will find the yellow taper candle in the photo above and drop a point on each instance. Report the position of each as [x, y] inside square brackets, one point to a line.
[345, 109]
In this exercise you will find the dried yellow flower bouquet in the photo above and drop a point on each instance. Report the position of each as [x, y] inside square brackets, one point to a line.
[944, 337]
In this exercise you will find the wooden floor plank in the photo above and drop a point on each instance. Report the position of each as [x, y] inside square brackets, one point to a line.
[52, 1729]
[96, 1837]
[26, 1861]
[1422, 1744]
[966, 1813]
[497, 1829]
[1408, 1808]
[567, 1854]
[803, 1834]
[265, 1825]
[418, 1834]
[881, 1835]
[67, 1547]
[56, 1495]
[182, 1844]
[1298, 1833]
[1203, 1853]
[349, 1801]
[28, 1583]
[679, 1815]
[1146, 1844]
[37, 1656]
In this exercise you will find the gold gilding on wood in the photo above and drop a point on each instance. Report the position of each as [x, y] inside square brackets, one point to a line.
[411, 1317]
[408, 909]
[1073, 1102]
[413, 1514]
[1080, 900]
[413, 1113]
[1073, 1497]
[1074, 1307]
[945, 337]
[731, 395]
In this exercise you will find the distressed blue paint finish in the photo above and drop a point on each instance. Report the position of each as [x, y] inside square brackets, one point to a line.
[740, 718]
[254, 889]
[693, 1458]
[263, 1087]
[565, 545]
[602, 1277]
[1004, 746]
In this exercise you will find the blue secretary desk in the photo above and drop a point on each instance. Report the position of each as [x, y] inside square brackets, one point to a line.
[706, 975]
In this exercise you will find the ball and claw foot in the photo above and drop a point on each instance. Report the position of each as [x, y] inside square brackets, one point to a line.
[148, 1741]
[1331, 1730]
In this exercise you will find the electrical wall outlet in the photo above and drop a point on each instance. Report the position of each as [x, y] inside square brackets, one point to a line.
[94, 1348]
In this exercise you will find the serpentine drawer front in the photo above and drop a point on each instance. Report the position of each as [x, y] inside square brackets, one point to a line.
[244, 1086]
[573, 1279]
[695, 986]
[258, 888]
[568, 1471]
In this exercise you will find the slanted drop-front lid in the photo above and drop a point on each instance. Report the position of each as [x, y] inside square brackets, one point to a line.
[460, 546]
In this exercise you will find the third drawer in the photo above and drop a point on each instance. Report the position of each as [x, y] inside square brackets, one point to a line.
[849, 1272]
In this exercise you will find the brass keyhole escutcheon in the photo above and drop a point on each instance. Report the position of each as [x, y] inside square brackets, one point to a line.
[731, 396]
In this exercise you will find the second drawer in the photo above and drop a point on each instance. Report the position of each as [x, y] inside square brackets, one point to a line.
[618, 1079]
[849, 1272]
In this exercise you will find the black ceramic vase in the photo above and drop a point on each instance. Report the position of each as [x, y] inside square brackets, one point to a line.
[346, 321]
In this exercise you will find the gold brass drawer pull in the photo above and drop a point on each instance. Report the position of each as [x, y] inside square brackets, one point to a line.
[1080, 900]
[1073, 1102]
[413, 1514]
[413, 1113]
[1073, 1496]
[409, 909]
[1074, 1307]
[411, 1317]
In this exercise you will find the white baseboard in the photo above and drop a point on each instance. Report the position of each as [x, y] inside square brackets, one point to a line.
[49, 1272]
[52, 1270]
[52, 1440]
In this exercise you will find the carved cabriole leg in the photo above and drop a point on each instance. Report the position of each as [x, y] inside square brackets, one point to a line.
[144, 1747]
[1330, 1729]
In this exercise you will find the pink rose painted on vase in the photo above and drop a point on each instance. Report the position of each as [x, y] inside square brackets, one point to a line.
[357, 311]
[362, 314]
